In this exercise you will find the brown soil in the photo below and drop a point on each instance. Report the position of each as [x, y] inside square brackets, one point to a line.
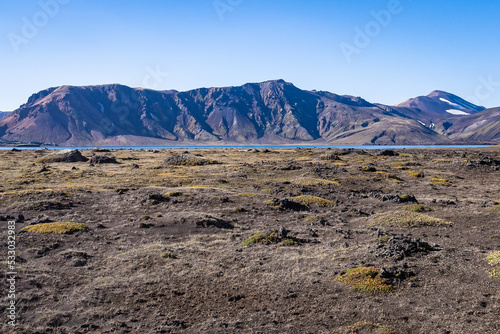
[163, 252]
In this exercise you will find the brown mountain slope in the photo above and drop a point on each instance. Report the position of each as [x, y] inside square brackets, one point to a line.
[271, 112]
[483, 126]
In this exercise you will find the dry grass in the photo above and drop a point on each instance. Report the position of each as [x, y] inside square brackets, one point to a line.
[311, 181]
[247, 195]
[406, 219]
[365, 279]
[308, 200]
[56, 228]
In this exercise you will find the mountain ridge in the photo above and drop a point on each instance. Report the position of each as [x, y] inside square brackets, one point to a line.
[269, 112]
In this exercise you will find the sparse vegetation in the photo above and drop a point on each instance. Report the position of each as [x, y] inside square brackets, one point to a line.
[175, 194]
[416, 174]
[260, 238]
[311, 181]
[247, 195]
[442, 182]
[199, 253]
[169, 255]
[366, 279]
[417, 208]
[493, 259]
[406, 219]
[270, 238]
[56, 228]
[308, 200]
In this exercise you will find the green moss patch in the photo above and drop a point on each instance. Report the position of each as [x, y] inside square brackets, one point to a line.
[417, 208]
[493, 259]
[366, 279]
[270, 238]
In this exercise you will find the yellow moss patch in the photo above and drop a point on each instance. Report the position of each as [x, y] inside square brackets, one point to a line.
[400, 167]
[493, 258]
[417, 208]
[415, 174]
[56, 228]
[365, 279]
[308, 200]
[311, 181]
[494, 273]
[442, 181]
[247, 195]
[269, 238]
[406, 219]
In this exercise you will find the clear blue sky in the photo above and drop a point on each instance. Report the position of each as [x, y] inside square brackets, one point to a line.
[424, 45]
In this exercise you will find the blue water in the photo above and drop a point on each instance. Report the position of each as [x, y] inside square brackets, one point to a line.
[364, 147]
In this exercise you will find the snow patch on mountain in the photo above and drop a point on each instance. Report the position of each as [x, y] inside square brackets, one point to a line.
[457, 112]
[452, 104]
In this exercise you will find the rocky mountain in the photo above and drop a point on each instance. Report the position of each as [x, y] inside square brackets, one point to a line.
[271, 112]
[3, 113]
[481, 127]
[439, 102]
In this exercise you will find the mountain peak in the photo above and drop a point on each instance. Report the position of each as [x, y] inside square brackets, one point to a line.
[441, 102]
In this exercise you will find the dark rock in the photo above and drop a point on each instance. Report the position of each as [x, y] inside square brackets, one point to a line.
[286, 204]
[157, 198]
[64, 156]
[282, 233]
[388, 153]
[399, 247]
[43, 169]
[100, 150]
[291, 166]
[209, 221]
[103, 159]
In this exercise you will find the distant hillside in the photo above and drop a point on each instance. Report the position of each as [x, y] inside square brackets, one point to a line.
[3, 113]
[271, 112]
[481, 127]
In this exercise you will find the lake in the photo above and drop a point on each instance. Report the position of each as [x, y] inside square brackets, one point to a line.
[364, 147]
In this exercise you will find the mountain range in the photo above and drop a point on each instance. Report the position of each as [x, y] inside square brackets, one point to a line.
[271, 112]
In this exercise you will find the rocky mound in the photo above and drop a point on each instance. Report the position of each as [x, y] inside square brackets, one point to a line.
[64, 156]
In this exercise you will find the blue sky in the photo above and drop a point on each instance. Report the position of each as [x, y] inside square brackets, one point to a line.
[385, 51]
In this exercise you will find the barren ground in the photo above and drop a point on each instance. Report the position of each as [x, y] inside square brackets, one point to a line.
[165, 248]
